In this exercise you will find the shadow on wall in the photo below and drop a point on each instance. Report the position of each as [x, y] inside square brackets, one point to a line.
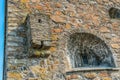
[16, 42]
[20, 44]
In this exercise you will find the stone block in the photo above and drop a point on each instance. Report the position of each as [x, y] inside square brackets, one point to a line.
[57, 30]
[54, 37]
[39, 7]
[13, 44]
[104, 29]
[115, 46]
[115, 40]
[97, 78]
[58, 5]
[15, 75]
[57, 18]
[58, 13]
[90, 75]
[74, 76]
[53, 49]
[106, 78]
[67, 26]
[103, 74]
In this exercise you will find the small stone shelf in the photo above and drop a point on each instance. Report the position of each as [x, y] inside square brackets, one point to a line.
[92, 69]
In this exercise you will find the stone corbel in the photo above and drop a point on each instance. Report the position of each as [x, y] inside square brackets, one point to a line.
[43, 45]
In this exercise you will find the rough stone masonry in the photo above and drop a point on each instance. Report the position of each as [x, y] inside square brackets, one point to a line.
[44, 55]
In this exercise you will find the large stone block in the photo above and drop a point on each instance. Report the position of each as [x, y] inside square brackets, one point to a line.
[39, 34]
[39, 29]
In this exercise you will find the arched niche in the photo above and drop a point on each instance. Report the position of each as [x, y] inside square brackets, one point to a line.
[114, 13]
[88, 50]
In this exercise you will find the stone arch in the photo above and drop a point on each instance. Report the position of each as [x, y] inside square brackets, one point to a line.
[88, 50]
[65, 36]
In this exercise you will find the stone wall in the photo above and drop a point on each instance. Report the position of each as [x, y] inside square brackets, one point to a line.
[68, 17]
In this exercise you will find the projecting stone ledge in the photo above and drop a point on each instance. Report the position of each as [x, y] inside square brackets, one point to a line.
[39, 29]
[92, 69]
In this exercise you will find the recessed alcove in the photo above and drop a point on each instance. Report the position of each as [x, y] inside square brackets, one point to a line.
[114, 13]
[88, 52]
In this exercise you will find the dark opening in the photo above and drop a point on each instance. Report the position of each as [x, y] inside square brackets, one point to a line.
[114, 12]
[39, 20]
